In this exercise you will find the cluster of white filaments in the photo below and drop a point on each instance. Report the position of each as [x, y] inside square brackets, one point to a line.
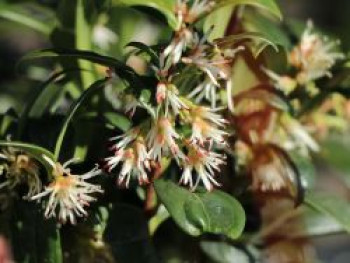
[313, 59]
[18, 168]
[69, 194]
[179, 128]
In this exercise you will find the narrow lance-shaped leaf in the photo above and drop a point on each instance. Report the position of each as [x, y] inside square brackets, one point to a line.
[37, 93]
[18, 14]
[121, 69]
[74, 108]
[83, 41]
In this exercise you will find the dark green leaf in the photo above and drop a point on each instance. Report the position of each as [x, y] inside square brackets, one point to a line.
[86, 95]
[197, 213]
[145, 49]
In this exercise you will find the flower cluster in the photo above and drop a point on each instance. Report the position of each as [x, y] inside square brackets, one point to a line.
[312, 59]
[68, 193]
[19, 168]
[265, 133]
[180, 128]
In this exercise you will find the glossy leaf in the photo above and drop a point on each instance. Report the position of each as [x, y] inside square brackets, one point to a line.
[166, 7]
[330, 205]
[270, 29]
[269, 5]
[120, 68]
[202, 212]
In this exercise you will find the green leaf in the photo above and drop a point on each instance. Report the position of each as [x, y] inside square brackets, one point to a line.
[166, 7]
[331, 205]
[83, 40]
[256, 41]
[316, 223]
[78, 54]
[35, 104]
[74, 108]
[305, 168]
[221, 252]
[269, 5]
[217, 22]
[143, 48]
[335, 152]
[36, 151]
[202, 212]
[118, 120]
[270, 29]
[121, 69]
[21, 15]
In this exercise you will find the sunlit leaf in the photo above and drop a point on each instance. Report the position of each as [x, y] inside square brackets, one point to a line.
[269, 5]
[166, 7]
[83, 41]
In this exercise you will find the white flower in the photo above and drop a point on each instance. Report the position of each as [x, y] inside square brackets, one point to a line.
[130, 104]
[135, 160]
[162, 138]
[182, 39]
[188, 14]
[169, 94]
[284, 83]
[209, 114]
[207, 125]
[19, 168]
[216, 65]
[208, 90]
[205, 164]
[103, 37]
[314, 55]
[69, 193]
[125, 139]
[299, 135]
